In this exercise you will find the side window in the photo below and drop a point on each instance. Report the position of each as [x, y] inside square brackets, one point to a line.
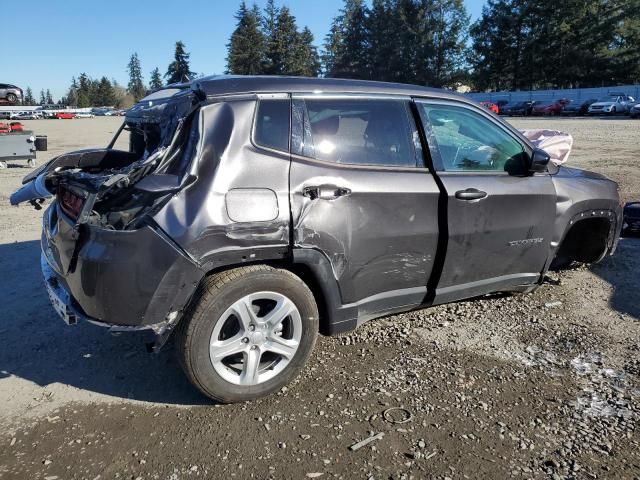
[467, 141]
[272, 124]
[354, 131]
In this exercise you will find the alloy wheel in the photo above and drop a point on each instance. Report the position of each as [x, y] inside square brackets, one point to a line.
[255, 338]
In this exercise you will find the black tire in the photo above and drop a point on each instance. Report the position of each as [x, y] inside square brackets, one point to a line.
[215, 295]
[11, 98]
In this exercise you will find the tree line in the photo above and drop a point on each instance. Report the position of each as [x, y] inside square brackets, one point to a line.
[529, 44]
[515, 44]
[85, 91]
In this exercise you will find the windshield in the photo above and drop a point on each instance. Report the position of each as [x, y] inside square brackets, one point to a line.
[609, 99]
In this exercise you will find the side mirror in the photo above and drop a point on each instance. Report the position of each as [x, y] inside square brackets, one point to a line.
[539, 161]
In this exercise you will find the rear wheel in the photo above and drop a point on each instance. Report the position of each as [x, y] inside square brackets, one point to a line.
[250, 333]
[11, 98]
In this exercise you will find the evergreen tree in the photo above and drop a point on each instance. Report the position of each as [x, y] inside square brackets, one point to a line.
[43, 98]
[49, 97]
[347, 45]
[136, 84]
[28, 97]
[104, 94]
[269, 27]
[72, 94]
[307, 58]
[446, 23]
[543, 44]
[282, 47]
[155, 81]
[179, 70]
[332, 43]
[246, 47]
[84, 91]
[383, 27]
[627, 58]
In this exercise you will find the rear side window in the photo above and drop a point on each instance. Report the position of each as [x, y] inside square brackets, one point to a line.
[272, 124]
[354, 131]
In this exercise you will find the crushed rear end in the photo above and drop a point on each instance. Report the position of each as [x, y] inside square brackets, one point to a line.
[104, 259]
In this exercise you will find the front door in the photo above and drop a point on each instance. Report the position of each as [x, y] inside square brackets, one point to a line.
[360, 193]
[500, 218]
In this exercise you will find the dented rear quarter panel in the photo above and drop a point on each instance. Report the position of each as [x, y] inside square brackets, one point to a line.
[197, 217]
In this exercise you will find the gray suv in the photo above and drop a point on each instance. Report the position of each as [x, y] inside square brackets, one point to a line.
[251, 213]
[10, 93]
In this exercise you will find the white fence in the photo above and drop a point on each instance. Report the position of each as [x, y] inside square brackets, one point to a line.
[28, 108]
[575, 94]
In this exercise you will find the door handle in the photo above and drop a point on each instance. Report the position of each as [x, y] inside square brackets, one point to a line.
[325, 192]
[470, 194]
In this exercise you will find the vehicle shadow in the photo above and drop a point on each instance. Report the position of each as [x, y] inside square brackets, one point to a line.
[37, 346]
[621, 271]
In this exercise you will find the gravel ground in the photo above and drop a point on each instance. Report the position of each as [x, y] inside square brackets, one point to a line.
[545, 385]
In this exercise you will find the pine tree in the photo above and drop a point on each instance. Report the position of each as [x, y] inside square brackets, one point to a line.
[28, 97]
[179, 70]
[246, 46]
[446, 22]
[49, 97]
[104, 94]
[155, 80]
[269, 27]
[547, 44]
[136, 84]
[347, 45]
[43, 98]
[383, 27]
[307, 59]
[281, 55]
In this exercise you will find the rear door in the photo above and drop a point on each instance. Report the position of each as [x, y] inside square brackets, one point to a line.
[361, 195]
[500, 218]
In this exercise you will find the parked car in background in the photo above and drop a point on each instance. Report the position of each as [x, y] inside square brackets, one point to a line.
[64, 115]
[634, 112]
[10, 93]
[85, 115]
[248, 272]
[517, 108]
[5, 115]
[578, 107]
[102, 111]
[492, 107]
[501, 103]
[31, 115]
[613, 104]
[631, 219]
[553, 108]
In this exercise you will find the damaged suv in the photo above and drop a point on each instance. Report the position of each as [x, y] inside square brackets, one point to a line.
[251, 213]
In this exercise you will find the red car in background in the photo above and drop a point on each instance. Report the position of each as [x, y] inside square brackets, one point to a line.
[492, 107]
[64, 115]
[552, 108]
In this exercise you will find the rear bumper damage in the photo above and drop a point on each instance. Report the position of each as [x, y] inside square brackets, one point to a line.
[123, 280]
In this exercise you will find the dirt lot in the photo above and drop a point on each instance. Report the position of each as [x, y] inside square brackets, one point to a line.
[539, 386]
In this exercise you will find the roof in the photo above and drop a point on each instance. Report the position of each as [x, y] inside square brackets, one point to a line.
[237, 84]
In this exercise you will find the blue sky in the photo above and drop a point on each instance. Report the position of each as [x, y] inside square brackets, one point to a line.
[64, 38]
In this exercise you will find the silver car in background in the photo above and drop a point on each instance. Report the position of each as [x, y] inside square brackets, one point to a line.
[11, 93]
[612, 104]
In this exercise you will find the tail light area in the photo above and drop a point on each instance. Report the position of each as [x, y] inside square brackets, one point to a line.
[70, 203]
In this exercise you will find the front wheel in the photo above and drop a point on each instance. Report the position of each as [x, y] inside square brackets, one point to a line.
[11, 98]
[250, 333]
